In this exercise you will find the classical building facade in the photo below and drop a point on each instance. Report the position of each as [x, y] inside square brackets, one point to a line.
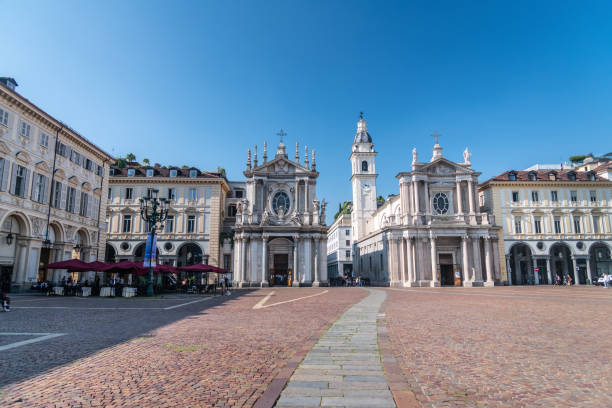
[192, 232]
[432, 233]
[50, 192]
[280, 233]
[554, 222]
[340, 247]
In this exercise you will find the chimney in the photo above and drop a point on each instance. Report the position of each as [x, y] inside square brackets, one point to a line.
[9, 82]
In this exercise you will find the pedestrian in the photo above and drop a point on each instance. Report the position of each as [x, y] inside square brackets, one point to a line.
[569, 280]
[6, 302]
[606, 278]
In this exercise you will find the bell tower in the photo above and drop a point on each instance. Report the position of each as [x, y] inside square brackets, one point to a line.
[363, 179]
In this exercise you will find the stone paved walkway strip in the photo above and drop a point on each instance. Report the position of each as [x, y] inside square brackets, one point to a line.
[344, 368]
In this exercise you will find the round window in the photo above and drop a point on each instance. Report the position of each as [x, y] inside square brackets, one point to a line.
[167, 246]
[125, 246]
[281, 203]
[440, 203]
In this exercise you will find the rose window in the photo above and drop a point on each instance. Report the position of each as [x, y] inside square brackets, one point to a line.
[281, 203]
[440, 203]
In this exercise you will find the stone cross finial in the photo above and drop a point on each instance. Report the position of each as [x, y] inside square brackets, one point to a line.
[436, 135]
[281, 133]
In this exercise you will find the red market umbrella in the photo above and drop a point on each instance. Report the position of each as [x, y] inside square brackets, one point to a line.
[125, 266]
[97, 266]
[72, 265]
[197, 268]
[159, 268]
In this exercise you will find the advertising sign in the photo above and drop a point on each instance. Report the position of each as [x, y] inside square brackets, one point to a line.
[150, 256]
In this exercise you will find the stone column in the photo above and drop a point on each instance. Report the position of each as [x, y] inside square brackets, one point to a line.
[264, 260]
[471, 196]
[589, 273]
[296, 276]
[417, 204]
[402, 260]
[410, 260]
[574, 265]
[315, 281]
[476, 263]
[508, 270]
[548, 270]
[434, 263]
[488, 262]
[20, 267]
[536, 277]
[426, 201]
[467, 280]
[459, 198]
[243, 262]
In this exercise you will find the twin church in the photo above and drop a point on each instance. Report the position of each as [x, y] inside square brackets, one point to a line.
[430, 234]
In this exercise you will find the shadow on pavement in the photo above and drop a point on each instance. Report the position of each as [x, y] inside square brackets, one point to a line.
[90, 325]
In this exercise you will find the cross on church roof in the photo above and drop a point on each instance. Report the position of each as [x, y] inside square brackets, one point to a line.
[281, 133]
[436, 135]
[360, 115]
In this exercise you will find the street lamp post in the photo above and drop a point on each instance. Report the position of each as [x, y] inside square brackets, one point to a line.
[153, 210]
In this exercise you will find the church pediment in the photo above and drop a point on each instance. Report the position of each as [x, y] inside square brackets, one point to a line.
[444, 167]
[281, 165]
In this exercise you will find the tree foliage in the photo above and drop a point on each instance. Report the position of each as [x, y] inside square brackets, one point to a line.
[344, 208]
[130, 157]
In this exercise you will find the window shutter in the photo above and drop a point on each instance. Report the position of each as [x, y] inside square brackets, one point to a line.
[5, 174]
[44, 199]
[63, 195]
[26, 184]
[13, 178]
[32, 197]
[77, 201]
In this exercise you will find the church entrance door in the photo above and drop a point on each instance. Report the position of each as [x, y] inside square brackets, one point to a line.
[280, 273]
[447, 277]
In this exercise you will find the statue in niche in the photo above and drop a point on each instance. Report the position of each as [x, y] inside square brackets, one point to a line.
[316, 205]
[265, 217]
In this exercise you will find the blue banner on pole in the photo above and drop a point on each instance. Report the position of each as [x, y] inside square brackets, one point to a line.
[150, 256]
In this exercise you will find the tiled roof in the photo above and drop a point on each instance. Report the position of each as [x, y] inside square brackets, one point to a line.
[603, 167]
[544, 175]
[161, 172]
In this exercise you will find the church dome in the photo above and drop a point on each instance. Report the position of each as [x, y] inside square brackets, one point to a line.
[362, 135]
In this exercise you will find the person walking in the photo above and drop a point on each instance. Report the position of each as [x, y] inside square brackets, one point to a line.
[6, 302]
[606, 279]
[569, 280]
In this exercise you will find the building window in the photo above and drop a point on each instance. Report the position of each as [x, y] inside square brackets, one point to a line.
[574, 196]
[577, 224]
[40, 185]
[110, 193]
[24, 129]
[517, 225]
[44, 140]
[281, 203]
[84, 204]
[131, 172]
[532, 177]
[239, 193]
[593, 195]
[512, 176]
[173, 173]
[129, 193]
[227, 262]
[364, 166]
[534, 196]
[21, 179]
[171, 194]
[149, 192]
[61, 149]
[348, 243]
[57, 194]
[3, 117]
[127, 224]
[571, 176]
[231, 211]
[440, 203]
[75, 157]
[190, 224]
[347, 232]
[192, 194]
[170, 224]
[596, 228]
[515, 196]
[193, 173]
[557, 223]
[538, 225]
[149, 172]
[591, 176]
[348, 254]
[554, 197]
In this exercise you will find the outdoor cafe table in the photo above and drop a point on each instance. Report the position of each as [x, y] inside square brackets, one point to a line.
[107, 291]
[86, 291]
[58, 290]
[129, 292]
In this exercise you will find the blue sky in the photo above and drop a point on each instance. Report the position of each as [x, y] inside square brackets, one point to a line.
[198, 83]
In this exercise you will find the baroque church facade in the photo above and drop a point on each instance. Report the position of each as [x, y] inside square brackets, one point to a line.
[431, 233]
[280, 233]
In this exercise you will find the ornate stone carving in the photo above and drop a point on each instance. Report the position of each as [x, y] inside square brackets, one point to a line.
[414, 156]
[467, 156]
